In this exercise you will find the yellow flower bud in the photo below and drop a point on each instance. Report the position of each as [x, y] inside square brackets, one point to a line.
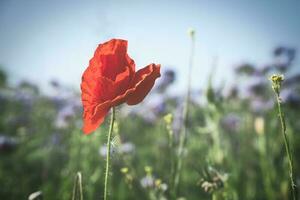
[124, 170]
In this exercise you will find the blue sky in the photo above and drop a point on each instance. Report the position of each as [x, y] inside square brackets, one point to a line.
[42, 40]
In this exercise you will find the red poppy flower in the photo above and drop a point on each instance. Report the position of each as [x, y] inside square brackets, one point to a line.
[111, 80]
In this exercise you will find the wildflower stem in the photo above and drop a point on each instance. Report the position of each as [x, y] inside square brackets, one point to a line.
[172, 159]
[182, 139]
[286, 143]
[111, 126]
[276, 85]
[77, 183]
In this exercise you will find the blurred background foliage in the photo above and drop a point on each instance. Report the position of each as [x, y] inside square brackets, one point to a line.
[234, 146]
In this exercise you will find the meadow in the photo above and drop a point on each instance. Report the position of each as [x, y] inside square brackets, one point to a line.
[233, 147]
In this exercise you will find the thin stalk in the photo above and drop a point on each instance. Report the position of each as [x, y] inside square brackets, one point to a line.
[286, 144]
[172, 149]
[77, 183]
[182, 139]
[108, 145]
[172, 159]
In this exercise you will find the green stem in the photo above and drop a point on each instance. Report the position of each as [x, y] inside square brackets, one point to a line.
[108, 145]
[172, 159]
[182, 139]
[286, 143]
[77, 183]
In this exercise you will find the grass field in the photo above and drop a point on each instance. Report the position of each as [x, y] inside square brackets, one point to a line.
[233, 147]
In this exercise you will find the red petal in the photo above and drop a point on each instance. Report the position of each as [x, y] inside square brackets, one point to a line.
[112, 59]
[110, 80]
[94, 92]
[109, 58]
[131, 64]
[90, 124]
[143, 82]
[122, 81]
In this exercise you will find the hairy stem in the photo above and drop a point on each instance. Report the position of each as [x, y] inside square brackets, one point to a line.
[286, 143]
[108, 147]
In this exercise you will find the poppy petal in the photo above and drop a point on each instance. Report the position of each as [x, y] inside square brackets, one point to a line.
[110, 80]
[143, 82]
[122, 81]
[131, 64]
[90, 124]
[112, 57]
[94, 92]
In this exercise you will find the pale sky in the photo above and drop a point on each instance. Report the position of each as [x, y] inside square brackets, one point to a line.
[42, 40]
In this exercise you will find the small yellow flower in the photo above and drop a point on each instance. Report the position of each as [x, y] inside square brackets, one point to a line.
[277, 78]
[157, 182]
[168, 118]
[276, 82]
[148, 169]
[124, 170]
